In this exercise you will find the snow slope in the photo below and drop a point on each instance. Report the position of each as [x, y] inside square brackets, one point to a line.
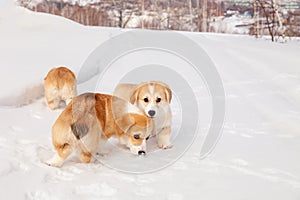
[256, 158]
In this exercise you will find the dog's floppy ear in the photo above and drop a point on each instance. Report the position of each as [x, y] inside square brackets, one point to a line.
[125, 122]
[134, 96]
[168, 93]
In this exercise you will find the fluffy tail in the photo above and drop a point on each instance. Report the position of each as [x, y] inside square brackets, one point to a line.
[27, 96]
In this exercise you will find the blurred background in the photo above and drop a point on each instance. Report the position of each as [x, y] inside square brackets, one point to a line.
[280, 18]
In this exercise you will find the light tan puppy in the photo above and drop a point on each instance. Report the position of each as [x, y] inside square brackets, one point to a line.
[60, 87]
[92, 118]
[153, 98]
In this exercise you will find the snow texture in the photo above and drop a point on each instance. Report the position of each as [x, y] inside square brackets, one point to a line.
[256, 158]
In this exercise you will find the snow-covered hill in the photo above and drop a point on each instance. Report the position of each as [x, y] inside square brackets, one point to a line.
[257, 156]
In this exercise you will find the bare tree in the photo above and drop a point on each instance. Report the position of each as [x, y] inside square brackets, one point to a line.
[293, 23]
[123, 16]
[198, 14]
[191, 12]
[204, 16]
[273, 20]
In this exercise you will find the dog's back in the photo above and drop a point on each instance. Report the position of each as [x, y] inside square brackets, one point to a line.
[60, 85]
[125, 91]
[60, 77]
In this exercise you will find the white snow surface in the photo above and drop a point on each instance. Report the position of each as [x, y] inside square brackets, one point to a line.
[257, 156]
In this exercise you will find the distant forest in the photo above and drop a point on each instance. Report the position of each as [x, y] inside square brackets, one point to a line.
[186, 15]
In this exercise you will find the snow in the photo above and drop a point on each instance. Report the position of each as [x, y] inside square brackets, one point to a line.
[231, 24]
[257, 156]
[29, 41]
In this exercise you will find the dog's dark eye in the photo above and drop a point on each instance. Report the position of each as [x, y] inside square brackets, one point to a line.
[158, 100]
[147, 138]
[146, 100]
[136, 136]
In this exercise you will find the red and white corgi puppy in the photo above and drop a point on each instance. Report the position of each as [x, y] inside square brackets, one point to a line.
[60, 87]
[153, 98]
[90, 120]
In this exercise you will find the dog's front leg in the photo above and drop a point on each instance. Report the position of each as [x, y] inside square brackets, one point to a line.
[164, 138]
[153, 132]
[101, 149]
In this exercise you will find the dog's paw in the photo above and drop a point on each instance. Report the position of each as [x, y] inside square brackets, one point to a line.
[164, 142]
[164, 146]
[102, 151]
[55, 161]
[51, 164]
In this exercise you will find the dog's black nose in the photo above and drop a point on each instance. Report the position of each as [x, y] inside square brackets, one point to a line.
[142, 152]
[151, 113]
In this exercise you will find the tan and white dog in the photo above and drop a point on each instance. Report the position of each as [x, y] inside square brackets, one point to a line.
[92, 118]
[153, 98]
[60, 87]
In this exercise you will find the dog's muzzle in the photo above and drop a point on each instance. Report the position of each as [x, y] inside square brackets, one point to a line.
[139, 150]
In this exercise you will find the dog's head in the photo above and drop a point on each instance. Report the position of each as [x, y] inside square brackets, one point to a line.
[151, 96]
[137, 129]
